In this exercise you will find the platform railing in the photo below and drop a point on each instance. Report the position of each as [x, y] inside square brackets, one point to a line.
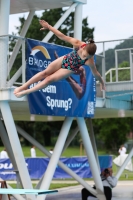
[13, 73]
[113, 74]
[19, 48]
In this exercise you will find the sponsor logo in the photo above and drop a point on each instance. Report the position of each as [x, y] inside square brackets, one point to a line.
[34, 61]
[36, 49]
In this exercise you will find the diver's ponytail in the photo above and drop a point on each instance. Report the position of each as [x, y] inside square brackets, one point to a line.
[91, 41]
[91, 47]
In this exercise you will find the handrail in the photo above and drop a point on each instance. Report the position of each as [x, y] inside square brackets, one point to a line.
[101, 56]
[113, 69]
[114, 40]
[15, 36]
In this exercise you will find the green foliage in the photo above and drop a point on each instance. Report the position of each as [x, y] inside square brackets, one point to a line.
[41, 131]
[113, 132]
[123, 74]
[52, 185]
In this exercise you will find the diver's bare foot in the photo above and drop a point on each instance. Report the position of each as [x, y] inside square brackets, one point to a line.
[20, 94]
[17, 90]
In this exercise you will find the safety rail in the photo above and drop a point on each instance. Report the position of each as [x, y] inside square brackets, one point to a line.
[113, 74]
[19, 47]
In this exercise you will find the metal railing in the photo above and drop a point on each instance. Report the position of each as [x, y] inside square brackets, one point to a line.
[113, 73]
[19, 47]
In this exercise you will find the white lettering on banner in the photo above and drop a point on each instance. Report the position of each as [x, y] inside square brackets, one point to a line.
[76, 165]
[59, 103]
[90, 107]
[38, 62]
[8, 165]
[48, 89]
[4, 173]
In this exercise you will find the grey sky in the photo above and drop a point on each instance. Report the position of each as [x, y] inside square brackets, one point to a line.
[111, 20]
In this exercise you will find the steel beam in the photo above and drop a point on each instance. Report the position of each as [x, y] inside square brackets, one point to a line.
[15, 145]
[91, 158]
[61, 20]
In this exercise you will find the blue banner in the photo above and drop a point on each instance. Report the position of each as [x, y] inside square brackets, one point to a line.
[38, 166]
[74, 96]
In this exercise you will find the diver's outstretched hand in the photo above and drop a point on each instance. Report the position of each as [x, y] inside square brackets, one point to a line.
[44, 24]
[102, 87]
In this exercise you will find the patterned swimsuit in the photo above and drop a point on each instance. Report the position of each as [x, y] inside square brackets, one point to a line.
[72, 61]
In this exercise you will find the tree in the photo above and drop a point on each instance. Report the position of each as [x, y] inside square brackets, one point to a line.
[112, 132]
[67, 27]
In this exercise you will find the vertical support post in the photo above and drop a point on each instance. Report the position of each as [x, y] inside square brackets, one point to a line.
[17, 151]
[78, 22]
[56, 155]
[19, 42]
[93, 142]
[131, 62]
[4, 24]
[103, 67]
[91, 157]
[23, 62]
[7, 144]
[111, 76]
[116, 65]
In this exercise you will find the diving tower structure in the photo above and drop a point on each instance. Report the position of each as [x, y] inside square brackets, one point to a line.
[116, 101]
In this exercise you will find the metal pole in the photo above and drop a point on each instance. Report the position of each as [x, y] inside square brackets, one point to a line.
[4, 23]
[103, 67]
[23, 62]
[62, 165]
[124, 164]
[92, 137]
[111, 76]
[56, 155]
[61, 20]
[91, 157]
[19, 42]
[17, 151]
[131, 70]
[6, 142]
[116, 65]
[78, 22]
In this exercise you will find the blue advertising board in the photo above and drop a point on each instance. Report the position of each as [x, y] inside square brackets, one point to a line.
[38, 166]
[73, 97]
